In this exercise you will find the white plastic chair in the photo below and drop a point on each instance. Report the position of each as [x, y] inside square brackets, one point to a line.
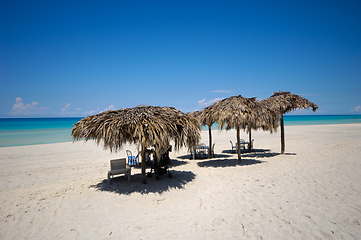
[119, 166]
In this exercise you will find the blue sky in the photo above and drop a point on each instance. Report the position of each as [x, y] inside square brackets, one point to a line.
[77, 58]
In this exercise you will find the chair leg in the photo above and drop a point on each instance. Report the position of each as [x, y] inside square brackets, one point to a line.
[109, 178]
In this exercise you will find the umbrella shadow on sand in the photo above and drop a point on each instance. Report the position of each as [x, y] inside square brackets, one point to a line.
[121, 185]
[187, 156]
[248, 158]
[176, 163]
[217, 155]
[228, 163]
[260, 153]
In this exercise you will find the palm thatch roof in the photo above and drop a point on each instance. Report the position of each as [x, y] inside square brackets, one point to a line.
[239, 112]
[144, 125]
[197, 115]
[283, 102]
[202, 118]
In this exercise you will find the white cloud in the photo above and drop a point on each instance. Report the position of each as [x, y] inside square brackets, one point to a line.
[65, 108]
[111, 107]
[356, 109]
[203, 102]
[68, 110]
[200, 102]
[19, 108]
[96, 111]
[91, 112]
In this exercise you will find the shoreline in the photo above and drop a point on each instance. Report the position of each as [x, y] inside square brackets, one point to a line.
[60, 190]
[204, 128]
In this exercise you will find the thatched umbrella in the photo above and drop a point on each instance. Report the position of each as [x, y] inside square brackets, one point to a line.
[205, 121]
[146, 126]
[283, 102]
[238, 112]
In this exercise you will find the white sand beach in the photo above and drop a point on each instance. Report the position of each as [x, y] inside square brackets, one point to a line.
[60, 191]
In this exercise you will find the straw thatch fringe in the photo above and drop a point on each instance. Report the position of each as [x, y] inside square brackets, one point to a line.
[140, 125]
[283, 102]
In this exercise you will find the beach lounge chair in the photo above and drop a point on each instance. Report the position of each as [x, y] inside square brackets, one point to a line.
[119, 166]
[160, 165]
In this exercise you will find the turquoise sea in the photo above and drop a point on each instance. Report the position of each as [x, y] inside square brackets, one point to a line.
[30, 131]
[292, 120]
